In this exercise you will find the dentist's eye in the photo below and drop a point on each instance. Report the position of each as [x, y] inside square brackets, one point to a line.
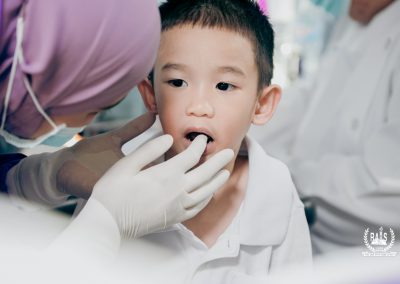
[222, 86]
[177, 83]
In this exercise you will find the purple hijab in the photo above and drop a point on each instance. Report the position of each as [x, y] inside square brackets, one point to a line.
[80, 55]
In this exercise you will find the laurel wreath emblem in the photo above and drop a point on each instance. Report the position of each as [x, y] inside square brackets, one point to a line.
[391, 241]
[366, 243]
[388, 247]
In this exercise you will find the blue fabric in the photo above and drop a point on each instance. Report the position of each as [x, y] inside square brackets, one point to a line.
[7, 161]
[1, 18]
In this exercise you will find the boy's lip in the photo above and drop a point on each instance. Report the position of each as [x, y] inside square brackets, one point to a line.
[199, 130]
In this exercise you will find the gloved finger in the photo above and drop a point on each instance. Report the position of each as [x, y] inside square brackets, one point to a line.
[207, 170]
[134, 127]
[190, 157]
[207, 190]
[190, 213]
[147, 153]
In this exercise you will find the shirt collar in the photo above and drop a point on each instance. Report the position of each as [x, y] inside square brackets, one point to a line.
[266, 209]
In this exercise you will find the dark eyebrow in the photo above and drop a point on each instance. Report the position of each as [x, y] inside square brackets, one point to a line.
[231, 69]
[173, 66]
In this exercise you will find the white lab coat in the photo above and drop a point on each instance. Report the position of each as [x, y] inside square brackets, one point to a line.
[340, 134]
[268, 234]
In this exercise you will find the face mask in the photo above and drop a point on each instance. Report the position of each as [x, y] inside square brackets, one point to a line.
[333, 7]
[62, 136]
[56, 138]
[60, 133]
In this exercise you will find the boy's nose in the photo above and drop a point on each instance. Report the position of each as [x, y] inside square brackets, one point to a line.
[200, 108]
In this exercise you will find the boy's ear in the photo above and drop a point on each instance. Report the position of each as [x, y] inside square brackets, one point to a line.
[146, 90]
[266, 105]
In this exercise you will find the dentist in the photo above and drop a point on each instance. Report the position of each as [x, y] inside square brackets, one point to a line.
[61, 63]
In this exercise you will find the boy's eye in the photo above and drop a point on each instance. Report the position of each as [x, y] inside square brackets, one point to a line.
[222, 86]
[177, 83]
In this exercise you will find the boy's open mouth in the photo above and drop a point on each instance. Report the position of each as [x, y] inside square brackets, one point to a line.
[192, 135]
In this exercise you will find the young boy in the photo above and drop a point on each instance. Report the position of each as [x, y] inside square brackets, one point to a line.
[212, 77]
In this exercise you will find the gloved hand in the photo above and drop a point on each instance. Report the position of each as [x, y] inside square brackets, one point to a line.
[143, 201]
[50, 178]
[132, 202]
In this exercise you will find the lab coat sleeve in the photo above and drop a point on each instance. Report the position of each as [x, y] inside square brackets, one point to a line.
[93, 235]
[356, 191]
[295, 250]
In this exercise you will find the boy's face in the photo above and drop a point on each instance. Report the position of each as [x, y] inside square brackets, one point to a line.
[205, 81]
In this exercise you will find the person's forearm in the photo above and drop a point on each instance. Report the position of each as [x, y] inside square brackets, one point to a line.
[33, 179]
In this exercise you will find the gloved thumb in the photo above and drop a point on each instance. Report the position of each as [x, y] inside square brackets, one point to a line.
[134, 128]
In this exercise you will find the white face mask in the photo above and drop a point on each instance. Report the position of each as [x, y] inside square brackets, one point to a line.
[60, 133]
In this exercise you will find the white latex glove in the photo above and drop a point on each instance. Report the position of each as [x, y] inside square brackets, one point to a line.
[131, 202]
[144, 201]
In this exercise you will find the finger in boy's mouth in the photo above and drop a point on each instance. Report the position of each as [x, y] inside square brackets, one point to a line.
[193, 134]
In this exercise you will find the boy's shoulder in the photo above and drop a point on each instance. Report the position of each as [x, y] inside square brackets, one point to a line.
[267, 169]
[271, 198]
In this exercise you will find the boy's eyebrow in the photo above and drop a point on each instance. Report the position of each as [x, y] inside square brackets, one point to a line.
[231, 69]
[223, 69]
[173, 66]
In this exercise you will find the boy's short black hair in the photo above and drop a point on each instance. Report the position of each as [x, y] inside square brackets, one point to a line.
[241, 16]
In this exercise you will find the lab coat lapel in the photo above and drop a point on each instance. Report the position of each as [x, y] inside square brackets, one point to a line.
[327, 94]
[363, 86]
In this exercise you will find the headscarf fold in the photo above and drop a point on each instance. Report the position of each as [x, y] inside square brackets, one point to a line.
[80, 55]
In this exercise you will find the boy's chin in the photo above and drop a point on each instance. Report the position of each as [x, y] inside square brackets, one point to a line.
[203, 159]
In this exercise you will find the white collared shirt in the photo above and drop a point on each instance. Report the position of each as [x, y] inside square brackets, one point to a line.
[269, 232]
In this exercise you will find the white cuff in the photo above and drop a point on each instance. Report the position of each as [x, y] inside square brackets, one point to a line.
[93, 234]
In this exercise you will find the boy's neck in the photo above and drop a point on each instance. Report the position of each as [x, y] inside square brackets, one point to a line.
[214, 219]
